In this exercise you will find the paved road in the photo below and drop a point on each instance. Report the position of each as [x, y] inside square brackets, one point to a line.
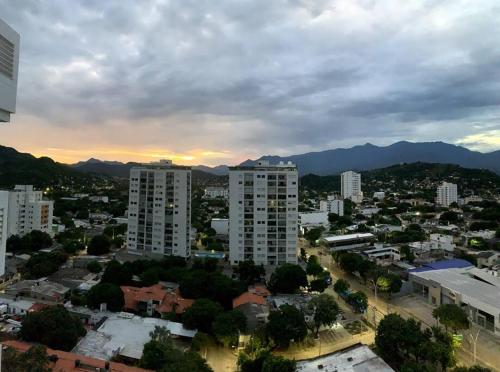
[488, 347]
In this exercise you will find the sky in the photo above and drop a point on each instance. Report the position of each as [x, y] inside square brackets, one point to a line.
[217, 82]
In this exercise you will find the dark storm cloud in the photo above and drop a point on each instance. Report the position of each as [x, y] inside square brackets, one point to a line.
[287, 75]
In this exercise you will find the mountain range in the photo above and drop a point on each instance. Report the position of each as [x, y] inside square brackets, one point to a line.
[328, 162]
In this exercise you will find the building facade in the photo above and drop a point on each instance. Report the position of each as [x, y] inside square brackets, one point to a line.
[263, 213]
[4, 212]
[332, 205]
[447, 194]
[27, 211]
[9, 63]
[350, 186]
[215, 192]
[159, 219]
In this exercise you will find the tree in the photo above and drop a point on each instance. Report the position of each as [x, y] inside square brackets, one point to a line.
[286, 324]
[94, 267]
[449, 217]
[52, 326]
[390, 337]
[359, 300]
[313, 235]
[250, 273]
[287, 278]
[341, 285]
[451, 316]
[318, 285]
[43, 264]
[35, 359]
[389, 283]
[99, 245]
[228, 325]
[73, 246]
[201, 315]
[313, 266]
[278, 364]
[118, 274]
[324, 310]
[161, 355]
[350, 262]
[107, 293]
[408, 254]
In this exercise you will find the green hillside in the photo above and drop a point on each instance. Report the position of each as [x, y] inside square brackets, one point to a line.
[21, 168]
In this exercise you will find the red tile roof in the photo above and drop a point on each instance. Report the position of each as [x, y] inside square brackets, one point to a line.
[66, 360]
[168, 300]
[248, 297]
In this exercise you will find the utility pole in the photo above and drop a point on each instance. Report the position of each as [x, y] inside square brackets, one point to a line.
[474, 341]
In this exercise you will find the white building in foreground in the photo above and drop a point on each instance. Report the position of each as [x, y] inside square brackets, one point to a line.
[480, 300]
[350, 186]
[159, 212]
[263, 213]
[4, 205]
[28, 211]
[9, 63]
[357, 358]
[447, 194]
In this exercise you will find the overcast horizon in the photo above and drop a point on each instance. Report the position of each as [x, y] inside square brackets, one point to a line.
[212, 83]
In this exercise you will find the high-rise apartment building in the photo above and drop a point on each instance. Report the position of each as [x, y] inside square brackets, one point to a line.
[9, 62]
[447, 194]
[159, 212]
[27, 211]
[333, 205]
[4, 203]
[350, 185]
[263, 213]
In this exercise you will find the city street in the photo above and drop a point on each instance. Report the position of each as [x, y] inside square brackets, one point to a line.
[488, 346]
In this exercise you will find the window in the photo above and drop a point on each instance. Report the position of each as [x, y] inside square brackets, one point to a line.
[6, 57]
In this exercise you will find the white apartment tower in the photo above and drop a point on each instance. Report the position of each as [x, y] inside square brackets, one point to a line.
[350, 186]
[4, 203]
[9, 62]
[263, 213]
[27, 211]
[159, 212]
[447, 194]
[332, 205]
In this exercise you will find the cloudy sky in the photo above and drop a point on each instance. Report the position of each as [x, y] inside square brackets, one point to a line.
[211, 82]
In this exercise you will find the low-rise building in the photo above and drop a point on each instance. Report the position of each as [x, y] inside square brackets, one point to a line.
[220, 225]
[124, 335]
[356, 358]
[71, 362]
[40, 289]
[382, 255]
[312, 219]
[216, 192]
[487, 259]
[348, 241]
[380, 195]
[155, 300]
[436, 242]
[480, 300]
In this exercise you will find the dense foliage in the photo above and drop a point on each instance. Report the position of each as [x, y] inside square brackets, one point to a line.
[287, 278]
[52, 326]
[107, 293]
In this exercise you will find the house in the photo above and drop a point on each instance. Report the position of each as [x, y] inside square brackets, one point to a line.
[71, 362]
[253, 305]
[487, 258]
[124, 334]
[155, 300]
[40, 289]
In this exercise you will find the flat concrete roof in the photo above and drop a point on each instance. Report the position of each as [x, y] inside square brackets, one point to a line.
[357, 358]
[347, 237]
[460, 281]
[125, 336]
